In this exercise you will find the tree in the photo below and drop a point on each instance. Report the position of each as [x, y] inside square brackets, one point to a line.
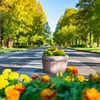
[96, 20]
[86, 14]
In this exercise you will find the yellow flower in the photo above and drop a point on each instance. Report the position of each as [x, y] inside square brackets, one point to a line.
[3, 83]
[69, 79]
[3, 99]
[27, 80]
[86, 79]
[45, 54]
[91, 94]
[62, 50]
[13, 95]
[13, 75]
[51, 53]
[48, 51]
[23, 76]
[45, 78]
[60, 74]
[6, 71]
[52, 85]
[9, 88]
[3, 76]
[80, 78]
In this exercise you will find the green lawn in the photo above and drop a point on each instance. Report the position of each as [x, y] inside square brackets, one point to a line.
[94, 49]
[12, 49]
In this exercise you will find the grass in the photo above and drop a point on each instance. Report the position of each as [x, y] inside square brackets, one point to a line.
[93, 49]
[12, 49]
[15, 49]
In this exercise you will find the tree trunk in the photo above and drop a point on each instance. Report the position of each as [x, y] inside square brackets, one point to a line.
[86, 42]
[29, 41]
[1, 27]
[98, 42]
[9, 42]
[64, 44]
[72, 42]
[90, 39]
[79, 41]
[76, 41]
[17, 40]
[2, 39]
[82, 41]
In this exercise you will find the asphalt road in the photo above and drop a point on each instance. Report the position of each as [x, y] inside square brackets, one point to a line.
[89, 59]
[15, 61]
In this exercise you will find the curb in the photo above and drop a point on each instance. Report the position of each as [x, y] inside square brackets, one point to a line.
[84, 51]
[13, 51]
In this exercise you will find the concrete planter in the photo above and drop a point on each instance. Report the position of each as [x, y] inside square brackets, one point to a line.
[54, 64]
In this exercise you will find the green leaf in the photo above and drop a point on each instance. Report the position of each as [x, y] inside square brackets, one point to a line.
[34, 90]
[29, 88]
[36, 86]
[25, 95]
[74, 93]
[61, 95]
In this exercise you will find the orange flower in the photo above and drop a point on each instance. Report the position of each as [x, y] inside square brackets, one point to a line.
[46, 79]
[35, 76]
[19, 87]
[48, 94]
[13, 95]
[91, 94]
[94, 77]
[72, 69]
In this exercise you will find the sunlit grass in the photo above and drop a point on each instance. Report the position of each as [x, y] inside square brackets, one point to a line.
[11, 49]
[94, 49]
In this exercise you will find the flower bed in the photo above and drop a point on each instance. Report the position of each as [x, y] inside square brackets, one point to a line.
[53, 51]
[64, 87]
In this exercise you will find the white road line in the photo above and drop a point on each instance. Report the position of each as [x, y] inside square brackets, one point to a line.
[14, 53]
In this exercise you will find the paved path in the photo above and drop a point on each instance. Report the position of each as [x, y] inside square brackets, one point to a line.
[29, 62]
[17, 60]
[76, 58]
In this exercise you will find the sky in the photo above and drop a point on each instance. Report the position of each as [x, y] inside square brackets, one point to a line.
[53, 10]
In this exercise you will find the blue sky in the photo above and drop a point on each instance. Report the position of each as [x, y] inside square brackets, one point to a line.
[55, 8]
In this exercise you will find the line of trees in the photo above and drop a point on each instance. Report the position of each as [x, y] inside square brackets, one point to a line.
[22, 21]
[79, 25]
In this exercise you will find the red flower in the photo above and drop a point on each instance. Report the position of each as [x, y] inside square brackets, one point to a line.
[35, 76]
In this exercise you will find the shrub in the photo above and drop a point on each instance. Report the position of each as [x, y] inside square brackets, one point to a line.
[78, 45]
[20, 46]
[35, 46]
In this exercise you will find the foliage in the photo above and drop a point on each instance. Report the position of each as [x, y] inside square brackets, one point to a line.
[83, 19]
[20, 46]
[78, 45]
[22, 18]
[63, 87]
[34, 46]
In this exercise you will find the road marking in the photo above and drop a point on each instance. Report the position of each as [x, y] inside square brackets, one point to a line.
[14, 53]
[76, 63]
[86, 54]
[32, 66]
